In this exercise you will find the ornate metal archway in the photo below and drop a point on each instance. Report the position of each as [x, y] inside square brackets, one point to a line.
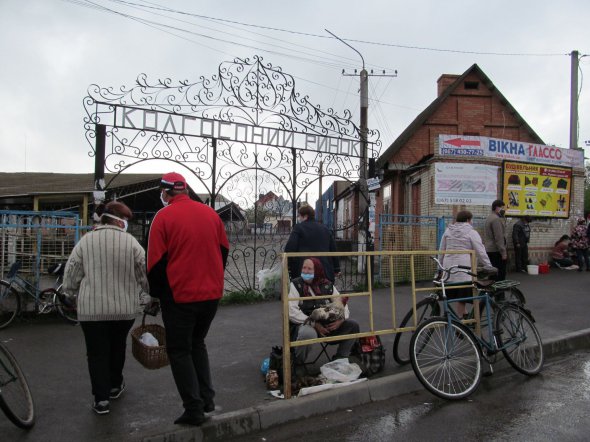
[245, 133]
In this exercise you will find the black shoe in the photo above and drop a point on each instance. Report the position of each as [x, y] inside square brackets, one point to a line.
[116, 393]
[101, 407]
[189, 418]
[210, 408]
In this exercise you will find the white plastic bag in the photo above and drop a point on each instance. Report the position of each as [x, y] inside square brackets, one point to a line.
[340, 370]
[269, 281]
[148, 339]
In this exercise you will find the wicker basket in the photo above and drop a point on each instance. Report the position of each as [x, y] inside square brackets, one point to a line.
[150, 357]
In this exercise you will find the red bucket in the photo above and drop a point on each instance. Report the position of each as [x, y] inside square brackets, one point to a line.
[543, 268]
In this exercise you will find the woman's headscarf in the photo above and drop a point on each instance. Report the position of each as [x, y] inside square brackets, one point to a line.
[319, 278]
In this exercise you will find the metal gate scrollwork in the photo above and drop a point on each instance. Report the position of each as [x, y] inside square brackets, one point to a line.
[249, 138]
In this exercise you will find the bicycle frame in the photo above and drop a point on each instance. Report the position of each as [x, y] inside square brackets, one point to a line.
[23, 286]
[447, 355]
[490, 343]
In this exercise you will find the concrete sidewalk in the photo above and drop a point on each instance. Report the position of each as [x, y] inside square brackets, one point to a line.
[52, 355]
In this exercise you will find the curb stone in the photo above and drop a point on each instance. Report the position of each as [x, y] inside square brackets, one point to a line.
[249, 420]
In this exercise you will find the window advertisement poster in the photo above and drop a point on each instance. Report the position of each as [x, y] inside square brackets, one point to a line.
[464, 183]
[508, 150]
[537, 190]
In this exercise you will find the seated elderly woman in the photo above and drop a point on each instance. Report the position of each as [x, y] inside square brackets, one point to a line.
[322, 317]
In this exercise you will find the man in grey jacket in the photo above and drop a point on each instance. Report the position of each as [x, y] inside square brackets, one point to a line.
[495, 238]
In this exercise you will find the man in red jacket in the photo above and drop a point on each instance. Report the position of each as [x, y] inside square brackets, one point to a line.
[187, 254]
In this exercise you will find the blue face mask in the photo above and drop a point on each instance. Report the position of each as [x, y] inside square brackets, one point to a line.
[307, 276]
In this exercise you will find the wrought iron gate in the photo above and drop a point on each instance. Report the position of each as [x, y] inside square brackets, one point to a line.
[246, 134]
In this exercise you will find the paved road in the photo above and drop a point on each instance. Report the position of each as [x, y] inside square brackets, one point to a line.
[52, 355]
[553, 406]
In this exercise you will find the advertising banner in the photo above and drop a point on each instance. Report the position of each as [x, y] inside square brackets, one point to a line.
[537, 190]
[470, 146]
[464, 183]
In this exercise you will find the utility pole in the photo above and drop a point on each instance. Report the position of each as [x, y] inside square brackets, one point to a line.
[321, 206]
[363, 203]
[574, 100]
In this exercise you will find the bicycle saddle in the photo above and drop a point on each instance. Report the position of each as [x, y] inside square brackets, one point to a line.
[484, 283]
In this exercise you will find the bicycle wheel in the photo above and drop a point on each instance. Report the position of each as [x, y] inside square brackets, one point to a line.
[9, 304]
[519, 339]
[65, 308]
[15, 397]
[446, 359]
[425, 309]
[510, 295]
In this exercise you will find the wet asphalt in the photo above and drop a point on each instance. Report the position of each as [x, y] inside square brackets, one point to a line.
[552, 406]
[52, 355]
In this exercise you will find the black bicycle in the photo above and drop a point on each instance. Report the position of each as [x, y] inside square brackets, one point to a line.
[501, 291]
[15, 396]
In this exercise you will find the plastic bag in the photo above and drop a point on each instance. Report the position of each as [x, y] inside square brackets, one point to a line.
[148, 339]
[269, 281]
[340, 370]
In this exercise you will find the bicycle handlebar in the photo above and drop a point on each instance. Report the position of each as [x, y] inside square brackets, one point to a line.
[446, 272]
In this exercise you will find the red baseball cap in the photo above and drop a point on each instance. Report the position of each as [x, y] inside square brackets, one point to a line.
[173, 181]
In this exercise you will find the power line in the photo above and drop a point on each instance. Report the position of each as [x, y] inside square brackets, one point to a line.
[335, 64]
[324, 53]
[159, 26]
[307, 34]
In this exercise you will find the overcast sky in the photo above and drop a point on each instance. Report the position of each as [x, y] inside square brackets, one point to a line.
[52, 50]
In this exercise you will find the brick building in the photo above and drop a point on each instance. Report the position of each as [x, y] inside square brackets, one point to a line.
[470, 124]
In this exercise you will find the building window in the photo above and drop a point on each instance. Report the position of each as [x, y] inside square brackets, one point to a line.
[387, 199]
[472, 85]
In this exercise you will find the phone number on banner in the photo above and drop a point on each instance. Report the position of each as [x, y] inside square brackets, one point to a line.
[455, 200]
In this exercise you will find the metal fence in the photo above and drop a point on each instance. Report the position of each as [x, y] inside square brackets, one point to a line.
[37, 239]
[40, 239]
[412, 232]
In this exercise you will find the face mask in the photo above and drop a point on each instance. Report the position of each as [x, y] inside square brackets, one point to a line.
[124, 221]
[164, 202]
[307, 276]
[501, 212]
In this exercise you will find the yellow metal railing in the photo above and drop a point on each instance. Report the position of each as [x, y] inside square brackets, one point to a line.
[287, 344]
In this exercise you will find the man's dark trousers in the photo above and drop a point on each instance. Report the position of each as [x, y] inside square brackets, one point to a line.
[500, 264]
[521, 256]
[187, 325]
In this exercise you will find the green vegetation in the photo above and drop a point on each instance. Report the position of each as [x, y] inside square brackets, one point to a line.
[362, 286]
[247, 296]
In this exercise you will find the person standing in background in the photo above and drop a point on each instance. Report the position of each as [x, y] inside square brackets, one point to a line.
[462, 236]
[495, 238]
[310, 236]
[580, 243]
[187, 254]
[521, 234]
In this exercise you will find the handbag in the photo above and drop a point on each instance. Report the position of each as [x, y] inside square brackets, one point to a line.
[368, 352]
